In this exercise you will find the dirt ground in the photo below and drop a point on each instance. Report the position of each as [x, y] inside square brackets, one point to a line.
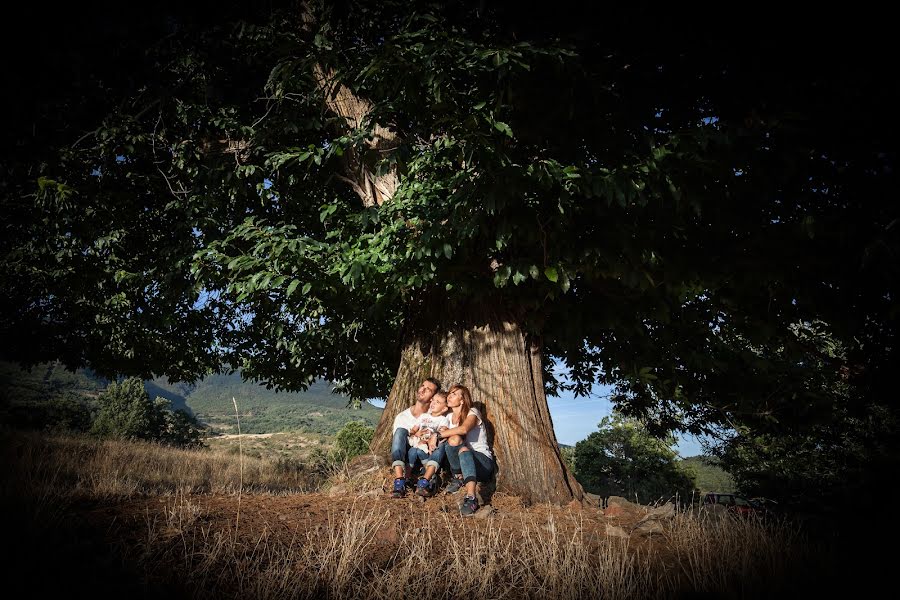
[283, 517]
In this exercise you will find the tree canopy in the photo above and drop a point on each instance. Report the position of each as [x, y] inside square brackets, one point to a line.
[679, 208]
[621, 458]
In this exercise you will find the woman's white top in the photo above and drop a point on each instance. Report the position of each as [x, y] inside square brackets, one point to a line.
[477, 436]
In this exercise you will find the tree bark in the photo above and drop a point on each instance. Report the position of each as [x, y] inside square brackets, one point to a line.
[489, 353]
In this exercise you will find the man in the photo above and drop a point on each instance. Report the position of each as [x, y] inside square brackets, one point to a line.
[402, 424]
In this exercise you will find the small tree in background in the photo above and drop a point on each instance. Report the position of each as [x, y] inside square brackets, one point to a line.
[182, 428]
[70, 412]
[622, 458]
[127, 412]
[352, 440]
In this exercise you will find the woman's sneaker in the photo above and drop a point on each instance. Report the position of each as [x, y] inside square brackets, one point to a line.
[469, 506]
[454, 485]
[423, 487]
[399, 488]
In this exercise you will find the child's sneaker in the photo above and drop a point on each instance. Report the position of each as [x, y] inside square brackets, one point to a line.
[423, 487]
[455, 484]
[399, 488]
[469, 506]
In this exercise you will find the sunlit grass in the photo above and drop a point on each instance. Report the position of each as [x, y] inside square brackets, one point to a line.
[358, 551]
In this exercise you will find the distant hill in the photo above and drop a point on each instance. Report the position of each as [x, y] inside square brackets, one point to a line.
[709, 476]
[317, 410]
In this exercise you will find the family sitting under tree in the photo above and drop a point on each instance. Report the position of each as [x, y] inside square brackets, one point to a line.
[441, 430]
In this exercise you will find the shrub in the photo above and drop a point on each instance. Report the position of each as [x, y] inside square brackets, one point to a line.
[352, 440]
[126, 412]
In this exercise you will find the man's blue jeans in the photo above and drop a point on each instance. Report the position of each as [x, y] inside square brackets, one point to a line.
[399, 447]
[473, 465]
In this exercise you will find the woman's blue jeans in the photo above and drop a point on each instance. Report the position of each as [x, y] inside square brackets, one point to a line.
[473, 465]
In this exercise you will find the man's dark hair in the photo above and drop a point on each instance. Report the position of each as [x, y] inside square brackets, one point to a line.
[435, 381]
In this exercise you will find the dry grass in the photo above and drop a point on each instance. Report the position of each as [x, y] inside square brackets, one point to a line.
[362, 549]
[81, 467]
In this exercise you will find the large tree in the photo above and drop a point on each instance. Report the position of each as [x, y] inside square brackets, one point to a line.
[378, 193]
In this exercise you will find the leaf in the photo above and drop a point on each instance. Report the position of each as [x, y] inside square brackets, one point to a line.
[551, 274]
[306, 288]
[448, 251]
[501, 126]
[293, 286]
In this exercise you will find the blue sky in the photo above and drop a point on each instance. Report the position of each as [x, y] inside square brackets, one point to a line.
[576, 418]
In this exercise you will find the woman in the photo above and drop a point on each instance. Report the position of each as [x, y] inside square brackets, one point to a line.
[470, 458]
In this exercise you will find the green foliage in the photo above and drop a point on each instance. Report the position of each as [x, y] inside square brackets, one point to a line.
[50, 397]
[568, 455]
[623, 459]
[353, 439]
[182, 429]
[126, 412]
[708, 475]
[70, 412]
[826, 468]
[263, 410]
[679, 214]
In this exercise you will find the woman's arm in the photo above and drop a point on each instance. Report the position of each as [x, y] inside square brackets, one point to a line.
[470, 422]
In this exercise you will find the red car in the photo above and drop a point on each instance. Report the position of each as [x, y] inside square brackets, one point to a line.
[734, 502]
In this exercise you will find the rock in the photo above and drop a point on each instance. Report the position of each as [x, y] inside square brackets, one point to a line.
[485, 512]
[615, 531]
[337, 490]
[365, 464]
[648, 527]
[592, 499]
[620, 501]
[666, 511]
[613, 510]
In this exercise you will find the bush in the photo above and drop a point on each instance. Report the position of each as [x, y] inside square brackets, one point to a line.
[352, 440]
[623, 459]
[70, 412]
[126, 412]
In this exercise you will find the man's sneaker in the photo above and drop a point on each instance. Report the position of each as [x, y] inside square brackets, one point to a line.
[454, 485]
[423, 487]
[469, 506]
[399, 488]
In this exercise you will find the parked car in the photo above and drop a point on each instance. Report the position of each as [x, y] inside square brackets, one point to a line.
[733, 502]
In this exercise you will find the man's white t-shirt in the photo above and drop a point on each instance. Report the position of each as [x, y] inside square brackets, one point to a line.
[406, 420]
[477, 436]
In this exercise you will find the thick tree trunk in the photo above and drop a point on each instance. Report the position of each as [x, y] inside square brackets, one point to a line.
[502, 367]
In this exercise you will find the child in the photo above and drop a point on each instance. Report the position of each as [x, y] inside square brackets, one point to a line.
[426, 447]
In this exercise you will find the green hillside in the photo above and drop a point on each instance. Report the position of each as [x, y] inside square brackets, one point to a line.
[317, 410]
[709, 476]
[25, 396]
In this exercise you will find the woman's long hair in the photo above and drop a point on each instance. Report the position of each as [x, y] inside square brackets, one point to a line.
[465, 403]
